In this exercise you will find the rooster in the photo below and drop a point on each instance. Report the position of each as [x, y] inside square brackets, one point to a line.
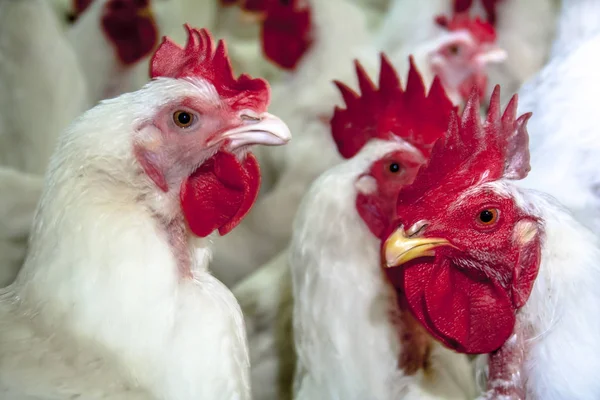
[361, 346]
[290, 171]
[488, 267]
[115, 299]
[374, 133]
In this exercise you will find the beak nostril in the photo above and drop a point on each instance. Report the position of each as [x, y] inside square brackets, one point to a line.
[417, 228]
[250, 118]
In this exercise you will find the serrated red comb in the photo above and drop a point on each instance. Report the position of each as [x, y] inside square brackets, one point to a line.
[473, 152]
[200, 59]
[286, 32]
[411, 114]
[482, 31]
[491, 11]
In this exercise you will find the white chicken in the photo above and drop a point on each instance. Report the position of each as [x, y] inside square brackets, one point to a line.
[564, 145]
[290, 171]
[360, 194]
[115, 296]
[488, 267]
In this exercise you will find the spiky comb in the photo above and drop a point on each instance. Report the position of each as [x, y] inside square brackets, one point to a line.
[482, 31]
[461, 6]
[286, 32]
[389, 111]
[471, 152]
[200, 59]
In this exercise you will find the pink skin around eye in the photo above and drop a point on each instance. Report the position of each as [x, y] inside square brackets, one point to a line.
[377, 208]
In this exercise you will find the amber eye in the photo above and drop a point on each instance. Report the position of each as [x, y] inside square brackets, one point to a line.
[488, 216]
[454, 49]
[183, 119]
[394, 168]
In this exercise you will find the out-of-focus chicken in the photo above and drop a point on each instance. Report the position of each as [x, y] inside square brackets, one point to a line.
[564, 140]
[487, 267]
[352, 341]
[19, 194]
[360, 194]
[290, 172]
[110, 38]
[524, 28]
[115, 296]
[41, 91]
[41, 86]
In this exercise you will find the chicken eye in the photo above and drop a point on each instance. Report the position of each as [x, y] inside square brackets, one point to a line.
[394, 168]
[454, 49]
[488, 216]
[183, 119]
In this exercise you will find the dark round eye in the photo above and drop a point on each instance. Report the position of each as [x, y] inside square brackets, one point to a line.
[183, 119]
[394, 168]
[454, 49]
[488, 216]
[71, 17]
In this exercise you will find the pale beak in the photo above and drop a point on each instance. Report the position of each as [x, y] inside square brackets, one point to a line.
[490, 55]
[399, 248]
[266, 129]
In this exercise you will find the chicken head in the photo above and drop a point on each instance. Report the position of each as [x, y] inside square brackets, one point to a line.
[467, 253]
[197, 143]
[412, 117]
[463, 53]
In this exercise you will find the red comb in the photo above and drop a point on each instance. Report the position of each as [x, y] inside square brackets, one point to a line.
[286, 32]
[461, 6]
[79, 6]
[482, 31]
[471, 152]
[389, 111]
[200, 59]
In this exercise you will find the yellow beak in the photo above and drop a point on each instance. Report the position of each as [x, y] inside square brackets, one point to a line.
[399, 248]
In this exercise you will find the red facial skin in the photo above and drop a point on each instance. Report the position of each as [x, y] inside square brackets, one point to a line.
[216, 194]
[130, 27]
[378, 209]
[489, 6]
[494, 271]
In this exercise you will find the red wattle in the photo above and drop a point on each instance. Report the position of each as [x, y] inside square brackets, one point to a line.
[220, 193]
[469, 314]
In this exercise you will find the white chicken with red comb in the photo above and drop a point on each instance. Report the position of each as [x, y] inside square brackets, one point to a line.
[488, 267]
[353, 347]
[115, 299]
[319, 50]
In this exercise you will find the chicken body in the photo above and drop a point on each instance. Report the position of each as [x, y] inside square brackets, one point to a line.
[563, 141]
[347, 343]
[94, 295]
[117, 270]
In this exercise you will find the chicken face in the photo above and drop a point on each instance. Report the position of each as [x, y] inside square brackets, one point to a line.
[378, 188]
[468, 252]
[464, 53]
[130, 26]
[198, 144]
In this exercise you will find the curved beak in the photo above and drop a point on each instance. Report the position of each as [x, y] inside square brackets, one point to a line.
[267, 130]
[399, 248]
[490, 54]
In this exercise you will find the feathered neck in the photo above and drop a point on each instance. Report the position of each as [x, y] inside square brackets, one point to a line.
[102, 268]
[578, 21]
